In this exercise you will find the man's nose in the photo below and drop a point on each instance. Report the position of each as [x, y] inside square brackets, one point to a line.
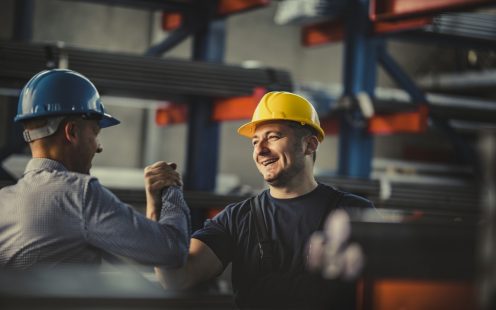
[261, 148]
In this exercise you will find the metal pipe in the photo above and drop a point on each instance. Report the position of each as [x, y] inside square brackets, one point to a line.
[487, 236]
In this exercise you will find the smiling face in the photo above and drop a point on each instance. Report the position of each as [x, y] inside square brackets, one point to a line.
[87, 145]
[278, 153]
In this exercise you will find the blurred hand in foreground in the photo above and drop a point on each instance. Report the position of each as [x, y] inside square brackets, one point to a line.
[331, 253]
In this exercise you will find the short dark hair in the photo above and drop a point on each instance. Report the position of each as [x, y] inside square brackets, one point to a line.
[303, 131]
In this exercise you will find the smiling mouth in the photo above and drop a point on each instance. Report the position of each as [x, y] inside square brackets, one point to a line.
[268, 162]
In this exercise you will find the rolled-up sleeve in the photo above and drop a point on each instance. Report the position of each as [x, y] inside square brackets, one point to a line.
[115, 227]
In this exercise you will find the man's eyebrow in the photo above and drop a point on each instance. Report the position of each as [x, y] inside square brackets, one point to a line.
[278, 132]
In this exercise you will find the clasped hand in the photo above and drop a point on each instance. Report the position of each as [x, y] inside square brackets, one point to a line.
[158, 176]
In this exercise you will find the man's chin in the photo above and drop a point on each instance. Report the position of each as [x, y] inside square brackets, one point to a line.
[274, 182]
[270, 178]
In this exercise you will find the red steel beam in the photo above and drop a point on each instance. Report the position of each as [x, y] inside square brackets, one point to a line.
[172, 20]
[228, 7]
[399, 9]
[403, 122]
[322, 33]
[333, 31]
[400, 25]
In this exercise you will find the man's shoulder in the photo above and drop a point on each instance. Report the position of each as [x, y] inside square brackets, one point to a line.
[52, 178]
[238, 211]
[349, 200]
[244, 206]
[75, 178]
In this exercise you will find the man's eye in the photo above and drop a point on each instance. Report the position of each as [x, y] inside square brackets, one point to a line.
[274, 137]
[254, 143]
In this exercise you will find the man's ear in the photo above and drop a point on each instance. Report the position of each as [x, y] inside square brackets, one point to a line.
[312, 143]
[70, 131]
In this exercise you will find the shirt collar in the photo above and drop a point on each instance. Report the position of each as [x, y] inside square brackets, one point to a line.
[44, 164]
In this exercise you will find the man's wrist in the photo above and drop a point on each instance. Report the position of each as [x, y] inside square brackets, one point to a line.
[153, 205]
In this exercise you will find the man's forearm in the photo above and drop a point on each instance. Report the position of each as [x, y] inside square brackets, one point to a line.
[153, 206]
[174, 278]
[202, 265]
[175, 221]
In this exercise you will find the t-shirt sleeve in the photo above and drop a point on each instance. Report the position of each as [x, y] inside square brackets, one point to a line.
[217, 234]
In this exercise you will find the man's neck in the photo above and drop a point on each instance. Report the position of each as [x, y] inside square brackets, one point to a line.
[298, 187]
[43, 151]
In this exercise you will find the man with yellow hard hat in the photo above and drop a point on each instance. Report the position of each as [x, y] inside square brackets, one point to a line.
[265, 237]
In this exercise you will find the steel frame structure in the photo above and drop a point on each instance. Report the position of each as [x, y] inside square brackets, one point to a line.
[205, 22]
[362, 28]
[355, 143]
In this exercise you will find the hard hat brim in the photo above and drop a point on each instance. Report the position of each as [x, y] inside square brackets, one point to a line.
[108, 121]
[248, 129]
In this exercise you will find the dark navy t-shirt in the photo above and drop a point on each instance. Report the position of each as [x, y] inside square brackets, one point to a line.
[232, 237]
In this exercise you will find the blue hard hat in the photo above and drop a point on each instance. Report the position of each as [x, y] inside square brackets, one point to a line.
[61, 92]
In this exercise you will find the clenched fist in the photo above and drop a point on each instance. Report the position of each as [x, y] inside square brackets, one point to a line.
[157, 177]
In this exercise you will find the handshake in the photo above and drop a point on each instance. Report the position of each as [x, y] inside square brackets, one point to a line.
[157, 177]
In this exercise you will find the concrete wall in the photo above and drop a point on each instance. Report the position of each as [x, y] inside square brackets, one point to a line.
[6, 28]
[93, 26]
[6, 19]
[250, 36]
[3, 120]
[105, 28]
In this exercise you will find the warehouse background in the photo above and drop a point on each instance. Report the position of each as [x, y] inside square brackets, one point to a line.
[251, 37]
[433, 183]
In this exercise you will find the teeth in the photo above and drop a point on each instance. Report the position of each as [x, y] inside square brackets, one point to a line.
[269, 161]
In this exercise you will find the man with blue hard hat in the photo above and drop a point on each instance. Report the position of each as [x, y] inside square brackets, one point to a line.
[57, 213]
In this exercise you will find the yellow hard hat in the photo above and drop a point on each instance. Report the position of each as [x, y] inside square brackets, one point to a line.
[283, 106]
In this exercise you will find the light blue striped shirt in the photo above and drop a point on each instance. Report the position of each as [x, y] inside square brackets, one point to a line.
[53, 216]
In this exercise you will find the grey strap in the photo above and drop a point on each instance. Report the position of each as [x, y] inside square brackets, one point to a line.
[264, 242]
[49, 129]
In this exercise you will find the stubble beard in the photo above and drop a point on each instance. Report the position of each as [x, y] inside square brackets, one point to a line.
[286, 177]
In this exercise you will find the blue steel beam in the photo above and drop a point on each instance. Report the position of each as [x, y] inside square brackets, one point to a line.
[203, 133]
[14, 142]
[355, 143]
[22, 31]
[400, 77]
[464, 151]
[174, 39]
[191, 21]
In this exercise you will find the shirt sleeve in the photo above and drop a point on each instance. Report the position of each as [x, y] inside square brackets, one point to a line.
[216, 234]
[115, 227]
